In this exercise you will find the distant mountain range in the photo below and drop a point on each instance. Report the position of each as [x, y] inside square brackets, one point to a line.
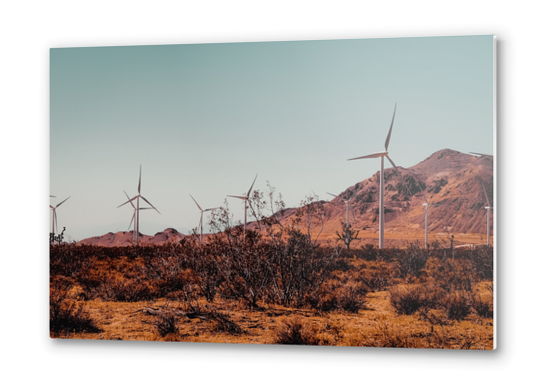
[449, 178]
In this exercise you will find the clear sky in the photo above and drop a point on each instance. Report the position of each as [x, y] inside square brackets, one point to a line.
[205, 119]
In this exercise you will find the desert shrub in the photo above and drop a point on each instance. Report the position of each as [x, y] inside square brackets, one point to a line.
[65, 315]
[224, 324]
[482, 258]
[123, 290]
[368, 252]
[376, 278]
[455, 275]
[457, 305]
[408, 300]
[165, 323]
[411, 261]
[295, 331]
[333, 296]
[483, 306]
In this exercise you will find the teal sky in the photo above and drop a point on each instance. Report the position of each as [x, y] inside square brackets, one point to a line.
[206, 118]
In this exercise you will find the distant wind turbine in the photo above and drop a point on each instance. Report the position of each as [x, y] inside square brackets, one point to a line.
[488, 210]
[426, 205]
[247, 201]
[381, 198]
[133, 216]
[137, 197]
[348, 208]
[201, 218]
[55, 221]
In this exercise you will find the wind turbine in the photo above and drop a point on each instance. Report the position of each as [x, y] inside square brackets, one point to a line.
[348, 208]
[426, 205]
[247, 201]
[381, 155]
[55, 221]
[134, 215]
[488, 209]
[137, 197]
[201, 218]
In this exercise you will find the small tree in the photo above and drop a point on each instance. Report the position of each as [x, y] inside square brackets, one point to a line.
[347, 235]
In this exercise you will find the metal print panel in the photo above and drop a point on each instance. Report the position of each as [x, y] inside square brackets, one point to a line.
[327, 193]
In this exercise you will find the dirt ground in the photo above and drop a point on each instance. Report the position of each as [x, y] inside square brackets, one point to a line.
[377, 325]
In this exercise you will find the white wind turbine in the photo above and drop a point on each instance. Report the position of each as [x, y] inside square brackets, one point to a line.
[488, 210]
[55, 221]
[201, 218]
[137, 197]
[348, 208]
[247, 201]
[381, 155]
[426, 205]
[133, 216]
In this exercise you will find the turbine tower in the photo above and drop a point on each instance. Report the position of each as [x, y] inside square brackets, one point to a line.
[137, 197]
[247, 201]
[426, 205]
[488, 208]
[133, 216]
[381, 155]
[55, 221]
[348, 208]
[201, 218]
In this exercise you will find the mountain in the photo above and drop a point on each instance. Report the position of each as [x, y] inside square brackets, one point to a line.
[121, 239]
[447, 177]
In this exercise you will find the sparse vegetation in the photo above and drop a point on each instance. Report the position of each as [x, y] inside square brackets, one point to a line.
[273, 285]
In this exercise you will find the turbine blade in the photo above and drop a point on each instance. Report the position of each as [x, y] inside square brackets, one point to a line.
[373, 156]
[481, 154]
[51, 196]
[331, 194]
[248, 194]
[391, 126]
[150, 204]
[139, 185]
[238, 197]
[56, 220]
[132, 199]
[352, 210]
[51, 206]
[210, 209]
[196, 202]
[392, 163]
[62, 202]
[131, 221]
[128, 197]
[485, 193]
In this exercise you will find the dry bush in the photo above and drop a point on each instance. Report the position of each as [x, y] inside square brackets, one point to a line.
[165, 323]
[408, 300]
[224, 324]
[122, 290]
[411, 261]
[295, 331]
[333, 296]
[482, 257]
[457, 305]
[458, 275]
[65, 315]
[483, 306]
